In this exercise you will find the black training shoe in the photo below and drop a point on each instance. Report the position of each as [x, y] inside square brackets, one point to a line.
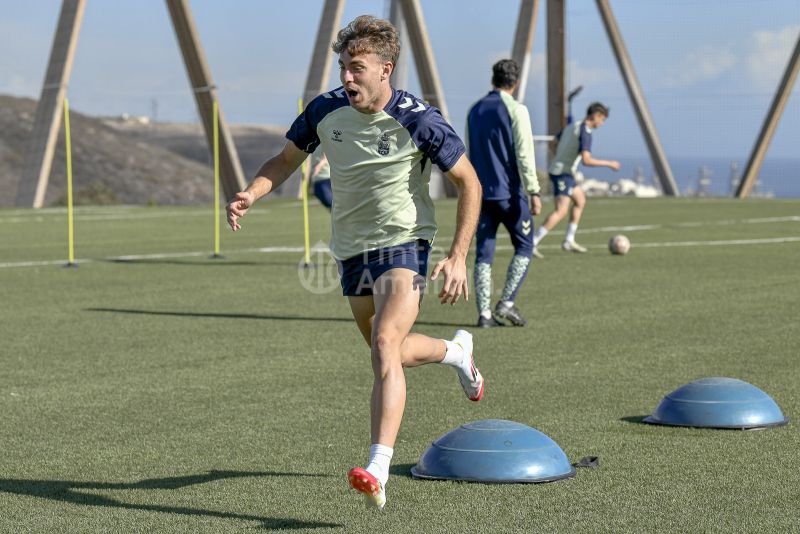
[510, 314]
[491, 322]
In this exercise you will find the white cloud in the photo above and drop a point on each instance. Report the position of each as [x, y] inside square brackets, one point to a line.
[577, 73]
[589, 76]
[769, 54]
[705, 63]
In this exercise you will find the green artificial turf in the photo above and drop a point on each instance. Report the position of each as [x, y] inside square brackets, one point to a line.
[170, 392]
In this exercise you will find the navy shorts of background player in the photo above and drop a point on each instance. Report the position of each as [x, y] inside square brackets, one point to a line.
[563, 184]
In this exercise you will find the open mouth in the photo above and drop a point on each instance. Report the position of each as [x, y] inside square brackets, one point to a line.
[352, 93]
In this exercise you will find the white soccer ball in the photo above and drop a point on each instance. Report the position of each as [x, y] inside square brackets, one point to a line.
[619, 244]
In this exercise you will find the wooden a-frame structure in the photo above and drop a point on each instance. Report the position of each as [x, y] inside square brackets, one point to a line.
[406, 13]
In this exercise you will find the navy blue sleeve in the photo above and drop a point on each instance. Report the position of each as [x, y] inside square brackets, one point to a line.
[303, 132]
[438, 140]
[430, 132]
[585, 142]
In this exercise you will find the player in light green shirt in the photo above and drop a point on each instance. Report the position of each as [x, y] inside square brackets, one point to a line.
[574, 147]
[381, 143]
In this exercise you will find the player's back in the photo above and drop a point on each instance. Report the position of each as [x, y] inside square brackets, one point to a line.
[573, 140]
[490, 138]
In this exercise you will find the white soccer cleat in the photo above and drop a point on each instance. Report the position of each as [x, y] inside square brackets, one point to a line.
[572, 246]
[365, 482]
[471, 380]
[536, 254]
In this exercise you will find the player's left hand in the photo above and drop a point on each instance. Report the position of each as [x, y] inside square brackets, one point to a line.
[455, 279]
[536, 204]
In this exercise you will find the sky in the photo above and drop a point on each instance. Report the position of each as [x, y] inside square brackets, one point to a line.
[708, 68]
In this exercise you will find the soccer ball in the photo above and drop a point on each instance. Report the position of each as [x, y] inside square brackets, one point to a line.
[619, 244]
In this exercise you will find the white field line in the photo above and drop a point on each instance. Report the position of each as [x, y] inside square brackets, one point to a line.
[48, 214]
[299, 250]
[119, 214]
[724, 242]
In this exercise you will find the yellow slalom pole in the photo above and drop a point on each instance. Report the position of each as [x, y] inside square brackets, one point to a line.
[216, 181]
[70, 240]
[306, 174]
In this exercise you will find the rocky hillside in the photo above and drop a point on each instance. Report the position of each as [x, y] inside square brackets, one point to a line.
[124, 161]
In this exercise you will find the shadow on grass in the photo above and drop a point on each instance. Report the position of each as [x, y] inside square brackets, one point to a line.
[401, 470]
[217, 262]
[219, 315]
[638, 419]
[68, 491]
[221, 262]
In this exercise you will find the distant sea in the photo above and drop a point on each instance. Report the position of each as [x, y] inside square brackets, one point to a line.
[779, 176]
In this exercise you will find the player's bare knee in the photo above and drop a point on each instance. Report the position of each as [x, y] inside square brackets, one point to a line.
[386, 349]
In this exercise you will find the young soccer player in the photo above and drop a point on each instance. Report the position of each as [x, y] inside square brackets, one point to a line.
[574, 146]
[381, 143]
[500, 143]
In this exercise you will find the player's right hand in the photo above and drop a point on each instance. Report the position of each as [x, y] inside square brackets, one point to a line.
[615, 165]
[238, 208]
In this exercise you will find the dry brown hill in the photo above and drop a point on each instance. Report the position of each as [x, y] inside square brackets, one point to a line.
[118, 161]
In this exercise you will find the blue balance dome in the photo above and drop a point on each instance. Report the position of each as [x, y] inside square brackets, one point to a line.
[494, 450]
[718, 402]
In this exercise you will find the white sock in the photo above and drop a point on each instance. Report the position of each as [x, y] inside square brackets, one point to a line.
[380, 456]
[486, 314]
[571, 230]
[506, 303]
[539, 235]
[454, 354]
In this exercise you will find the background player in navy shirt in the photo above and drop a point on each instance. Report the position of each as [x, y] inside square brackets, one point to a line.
[500, 140]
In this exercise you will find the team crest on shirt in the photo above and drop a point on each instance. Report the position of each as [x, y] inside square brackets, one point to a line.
[337, 136]
[383, 145]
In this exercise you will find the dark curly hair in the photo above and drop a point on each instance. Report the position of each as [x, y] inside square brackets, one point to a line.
[505, 74]
[597, 107]
[369, 35]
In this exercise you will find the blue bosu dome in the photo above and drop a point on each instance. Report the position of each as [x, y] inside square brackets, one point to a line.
[718, 402]
[495, 451]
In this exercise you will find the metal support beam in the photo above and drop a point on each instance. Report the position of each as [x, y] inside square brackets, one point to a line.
[322, 56]
[205, 93]
[556, 82]
[41, 148]
[426, 66]
[770, 124]
[646, 124]
[423, 55]
[399, 78]
[523, 40]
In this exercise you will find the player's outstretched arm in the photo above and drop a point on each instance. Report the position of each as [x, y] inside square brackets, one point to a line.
[454, 266]
[272, 173]
[589, 161]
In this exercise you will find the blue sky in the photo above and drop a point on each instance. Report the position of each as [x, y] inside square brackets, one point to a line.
[709, 68]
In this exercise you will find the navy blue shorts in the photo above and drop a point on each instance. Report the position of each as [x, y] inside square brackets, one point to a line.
[515, 215]
[563, 184]
[359, 273]
[323, 191]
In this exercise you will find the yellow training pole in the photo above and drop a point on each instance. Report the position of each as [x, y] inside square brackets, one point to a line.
[305, 176]
[216, 181]
[70, 241]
